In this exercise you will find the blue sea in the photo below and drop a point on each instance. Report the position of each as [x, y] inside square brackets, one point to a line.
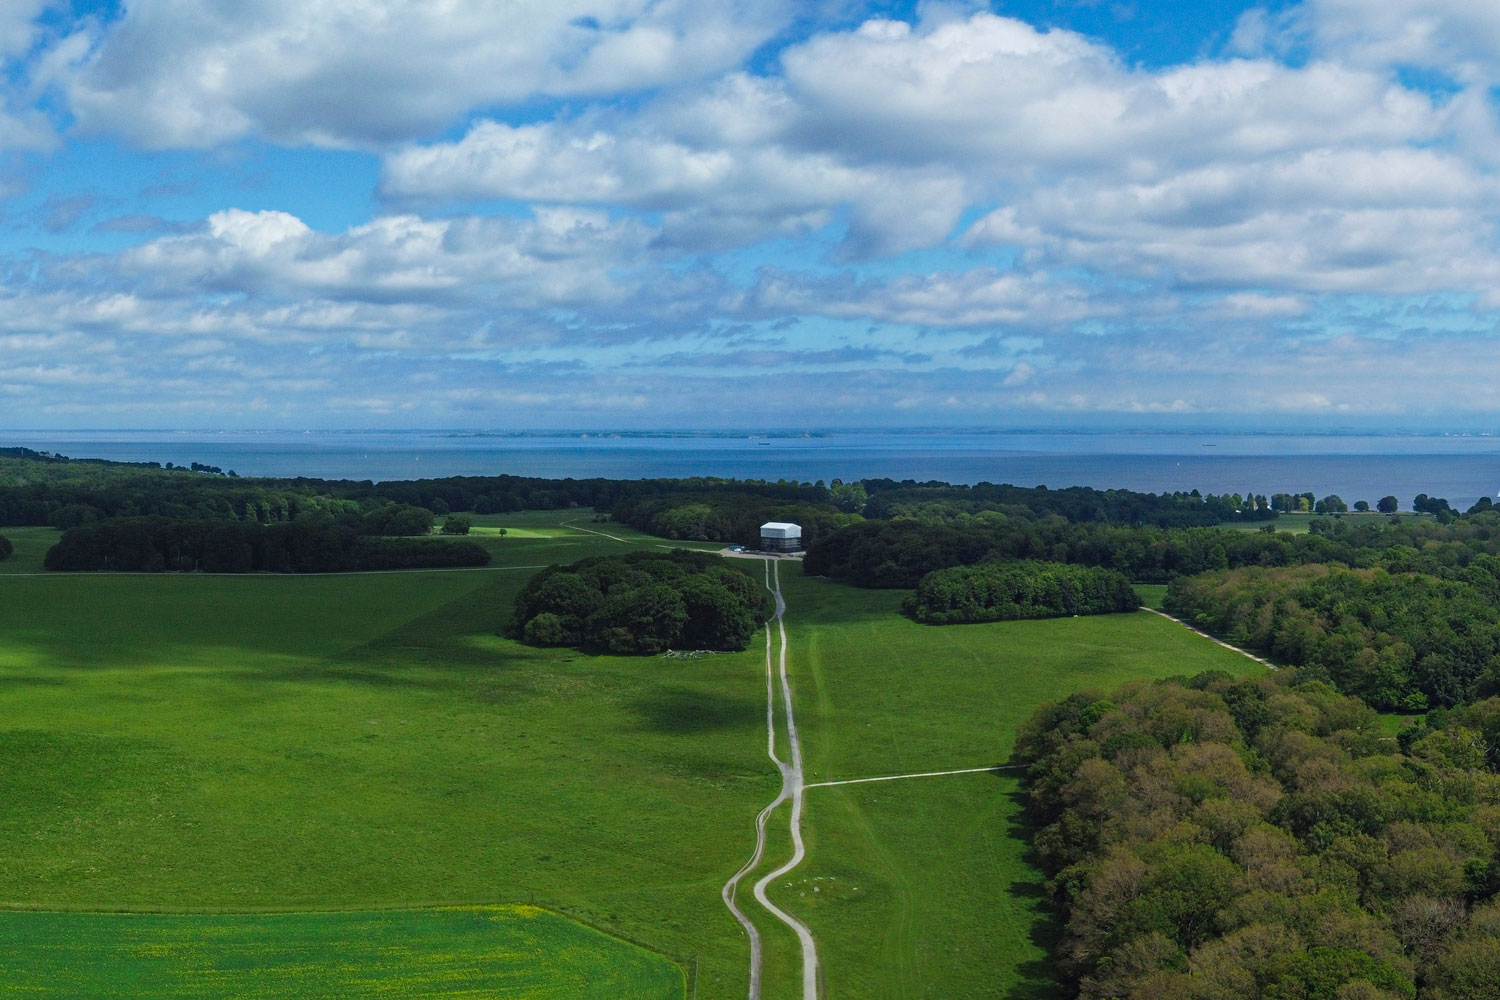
[1355, 466]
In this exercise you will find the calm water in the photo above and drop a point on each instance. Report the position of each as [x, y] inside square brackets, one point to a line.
[1357, 467]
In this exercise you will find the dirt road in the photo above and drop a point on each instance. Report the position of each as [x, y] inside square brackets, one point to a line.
[792, 787]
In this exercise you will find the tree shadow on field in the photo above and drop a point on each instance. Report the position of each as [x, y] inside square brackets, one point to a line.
[1038, 978]
[685, 712]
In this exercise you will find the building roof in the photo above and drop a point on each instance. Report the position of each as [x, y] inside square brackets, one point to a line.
[781, 527]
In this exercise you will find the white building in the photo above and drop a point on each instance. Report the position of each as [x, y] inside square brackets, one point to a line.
[779, 536]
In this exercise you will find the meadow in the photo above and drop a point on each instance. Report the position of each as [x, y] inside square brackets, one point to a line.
[205, 747]
[921, 888]
[234, 744]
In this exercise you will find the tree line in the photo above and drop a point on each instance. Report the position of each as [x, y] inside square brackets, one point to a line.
[42, 489]
[1005, 591]
[154, 545]
[644, 602]
[899, 553]
[1222, 839]
[1402, 641]
[1080, 504]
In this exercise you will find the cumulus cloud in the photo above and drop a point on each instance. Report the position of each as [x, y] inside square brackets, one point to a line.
[710, 194]
[1222, 171]
[978, 298]
[1455, 37]
[560, 257]
[197, 73]
[961, 214]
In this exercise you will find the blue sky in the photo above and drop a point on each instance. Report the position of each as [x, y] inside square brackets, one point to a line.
[750, 213]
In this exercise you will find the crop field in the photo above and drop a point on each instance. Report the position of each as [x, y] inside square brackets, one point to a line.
[206, 747]
[502, 951]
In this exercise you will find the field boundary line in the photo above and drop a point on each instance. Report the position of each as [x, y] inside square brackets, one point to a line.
[919, 774]
[1213, 639]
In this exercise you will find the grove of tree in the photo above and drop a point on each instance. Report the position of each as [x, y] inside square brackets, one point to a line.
[1005, 591]
[644, 602]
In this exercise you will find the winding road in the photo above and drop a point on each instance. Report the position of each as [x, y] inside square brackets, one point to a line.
[792, 787]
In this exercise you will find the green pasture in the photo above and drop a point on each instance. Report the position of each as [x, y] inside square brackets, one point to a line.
[1152, 595]
[31, 545]
[921, 888]
[235, 745]
[243, 743]
[1298, 523]
[509, 951]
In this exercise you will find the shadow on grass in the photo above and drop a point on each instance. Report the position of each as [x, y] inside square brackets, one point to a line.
[686, 712]
[822, 601]
[1038, 979]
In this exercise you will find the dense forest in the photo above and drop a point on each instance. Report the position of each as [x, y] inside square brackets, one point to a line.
[644, 602]
[1259, 839]
[35, 487]
[154, 545]
[1004, 591]
[899, 553]
[1398, 640]
[1079, 504]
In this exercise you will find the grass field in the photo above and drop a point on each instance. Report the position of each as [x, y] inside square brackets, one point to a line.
[1152, 594]
[921, 888]
[227, 745]
[511, 951]
[268, 742]
[31, 544]
[1298, 523]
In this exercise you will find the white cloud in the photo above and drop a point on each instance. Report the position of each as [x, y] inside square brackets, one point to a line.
[978, 298]
[710, 194]
[561, 257]
[997, 94]
[1201, 167]
[18, 25]
[1460, 38]
[1254, 306]
[1163, 240]
[197, 73]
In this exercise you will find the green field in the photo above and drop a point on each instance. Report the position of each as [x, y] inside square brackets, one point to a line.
[280, 742]
[229, 745]
[923, 888]
[512, 951]
[1152, 594]
[1299, 523]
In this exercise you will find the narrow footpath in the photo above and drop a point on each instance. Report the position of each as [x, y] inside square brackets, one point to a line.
[1192, 628]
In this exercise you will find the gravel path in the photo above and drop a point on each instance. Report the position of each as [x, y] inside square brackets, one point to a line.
[791, 788]
[1219, 642]
[570, 524]
[920, 774]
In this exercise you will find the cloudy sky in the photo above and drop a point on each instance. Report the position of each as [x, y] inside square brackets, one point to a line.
[749, 213]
